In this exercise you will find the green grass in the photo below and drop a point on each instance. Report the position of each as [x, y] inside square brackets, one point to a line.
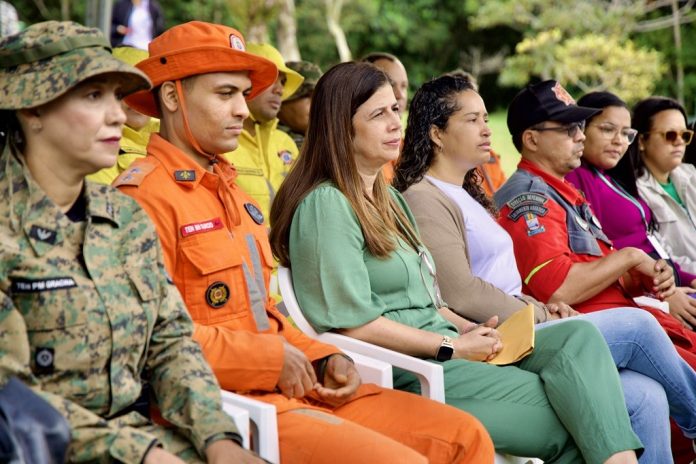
[502, 142]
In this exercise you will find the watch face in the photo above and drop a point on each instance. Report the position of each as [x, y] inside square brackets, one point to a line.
[444, 353]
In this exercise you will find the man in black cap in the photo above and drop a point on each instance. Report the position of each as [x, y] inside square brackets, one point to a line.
[561, 251]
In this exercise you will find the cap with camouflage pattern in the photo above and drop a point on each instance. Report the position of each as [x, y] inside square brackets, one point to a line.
[311, 73]
[47, 59]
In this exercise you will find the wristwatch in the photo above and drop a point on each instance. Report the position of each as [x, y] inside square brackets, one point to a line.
[446, 350]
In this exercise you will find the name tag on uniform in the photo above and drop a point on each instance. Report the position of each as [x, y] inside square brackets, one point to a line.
[200, 227]
[42, 285]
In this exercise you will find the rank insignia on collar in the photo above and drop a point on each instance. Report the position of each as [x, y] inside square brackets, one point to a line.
[254, 212]
[185, 175]
[43, 235]
[217, 294]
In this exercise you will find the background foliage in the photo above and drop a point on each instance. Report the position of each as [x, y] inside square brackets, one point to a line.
[506, 43]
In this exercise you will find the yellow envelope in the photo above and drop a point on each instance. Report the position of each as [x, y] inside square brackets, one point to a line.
[517, 335]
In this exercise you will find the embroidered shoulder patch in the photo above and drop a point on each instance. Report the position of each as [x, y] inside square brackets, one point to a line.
[527, 202]
[134, 175]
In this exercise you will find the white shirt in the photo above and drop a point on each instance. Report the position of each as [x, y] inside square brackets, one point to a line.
[491, 253]
[140, 25]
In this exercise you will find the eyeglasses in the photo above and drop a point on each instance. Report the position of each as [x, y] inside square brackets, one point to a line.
[609, 132]
[571, 129]
[671, 135]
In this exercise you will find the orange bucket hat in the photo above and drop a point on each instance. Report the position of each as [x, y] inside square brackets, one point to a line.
[196, 48]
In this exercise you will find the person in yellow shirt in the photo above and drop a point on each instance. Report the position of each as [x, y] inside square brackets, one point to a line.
[265, 153]
[136, 131]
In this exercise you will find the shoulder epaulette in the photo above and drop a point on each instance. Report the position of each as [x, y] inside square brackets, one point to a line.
[134, 175]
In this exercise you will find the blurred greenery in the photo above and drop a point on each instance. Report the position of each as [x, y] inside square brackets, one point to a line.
[501, 142]
[587, 44]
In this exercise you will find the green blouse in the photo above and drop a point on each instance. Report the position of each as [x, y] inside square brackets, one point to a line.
[339, 284]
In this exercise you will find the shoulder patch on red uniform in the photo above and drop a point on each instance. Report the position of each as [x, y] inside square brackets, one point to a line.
[134, 175]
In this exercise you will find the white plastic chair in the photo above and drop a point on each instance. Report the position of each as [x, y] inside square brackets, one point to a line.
[262, 424]
[429, 374]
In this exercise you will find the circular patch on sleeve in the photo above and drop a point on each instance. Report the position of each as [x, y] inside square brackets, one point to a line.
[254, 212]
[217, 294]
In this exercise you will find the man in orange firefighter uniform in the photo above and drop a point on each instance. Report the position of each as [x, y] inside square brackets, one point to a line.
[216, 248]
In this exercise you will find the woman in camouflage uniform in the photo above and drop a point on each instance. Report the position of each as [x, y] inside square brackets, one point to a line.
[87, 313]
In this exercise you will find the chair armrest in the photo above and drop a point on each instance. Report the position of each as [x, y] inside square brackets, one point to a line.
[429, 374]
[372, 370]
[264, 424]
[240, 416]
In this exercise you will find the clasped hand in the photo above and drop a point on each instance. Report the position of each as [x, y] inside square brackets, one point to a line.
[298, 379]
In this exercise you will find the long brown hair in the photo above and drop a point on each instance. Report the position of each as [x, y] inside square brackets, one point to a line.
[327, 155]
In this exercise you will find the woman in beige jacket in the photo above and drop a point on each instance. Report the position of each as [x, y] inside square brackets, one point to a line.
[664, 181]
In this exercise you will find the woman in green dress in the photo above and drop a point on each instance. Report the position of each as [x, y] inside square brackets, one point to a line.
[359, 268]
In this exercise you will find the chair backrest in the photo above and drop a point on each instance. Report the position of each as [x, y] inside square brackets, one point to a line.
[291, 303]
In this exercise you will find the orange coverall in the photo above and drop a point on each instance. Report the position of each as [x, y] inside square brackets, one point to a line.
[217, 250]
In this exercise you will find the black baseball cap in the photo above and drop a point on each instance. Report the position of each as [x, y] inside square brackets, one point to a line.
[544, 101]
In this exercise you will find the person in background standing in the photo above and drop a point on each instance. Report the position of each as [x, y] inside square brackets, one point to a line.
[136, 23]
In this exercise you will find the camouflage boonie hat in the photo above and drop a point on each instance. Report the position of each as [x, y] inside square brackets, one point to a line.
[311, 73]
[47, 59]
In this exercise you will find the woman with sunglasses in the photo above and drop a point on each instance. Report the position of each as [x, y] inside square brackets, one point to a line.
[607, 180]
[666, 183]
[359, 267]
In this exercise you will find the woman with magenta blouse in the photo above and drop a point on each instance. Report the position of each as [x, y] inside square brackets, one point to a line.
[606, 178]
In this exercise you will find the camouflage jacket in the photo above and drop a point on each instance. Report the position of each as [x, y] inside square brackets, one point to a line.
[86, 311]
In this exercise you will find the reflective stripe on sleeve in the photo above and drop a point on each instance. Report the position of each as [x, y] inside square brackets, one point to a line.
[534, 271]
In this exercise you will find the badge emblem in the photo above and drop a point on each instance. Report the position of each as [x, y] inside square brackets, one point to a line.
[43, 235]
[533, 226]
[43, 359]
[236, 43]
[254, 212]
[217, 294]
[185, 175]
[562, 94]
[286, 157]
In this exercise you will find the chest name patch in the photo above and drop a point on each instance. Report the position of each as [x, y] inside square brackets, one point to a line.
[42, 285]
[200, 227]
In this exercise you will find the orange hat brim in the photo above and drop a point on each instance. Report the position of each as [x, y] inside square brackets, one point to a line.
[200, 60]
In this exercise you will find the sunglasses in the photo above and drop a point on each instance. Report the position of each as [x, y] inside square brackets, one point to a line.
[571, 129]
[671, 135]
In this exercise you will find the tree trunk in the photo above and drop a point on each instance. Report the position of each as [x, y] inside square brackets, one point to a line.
[333, 18]
[676, 29]
[65, 10]
[287, 31]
